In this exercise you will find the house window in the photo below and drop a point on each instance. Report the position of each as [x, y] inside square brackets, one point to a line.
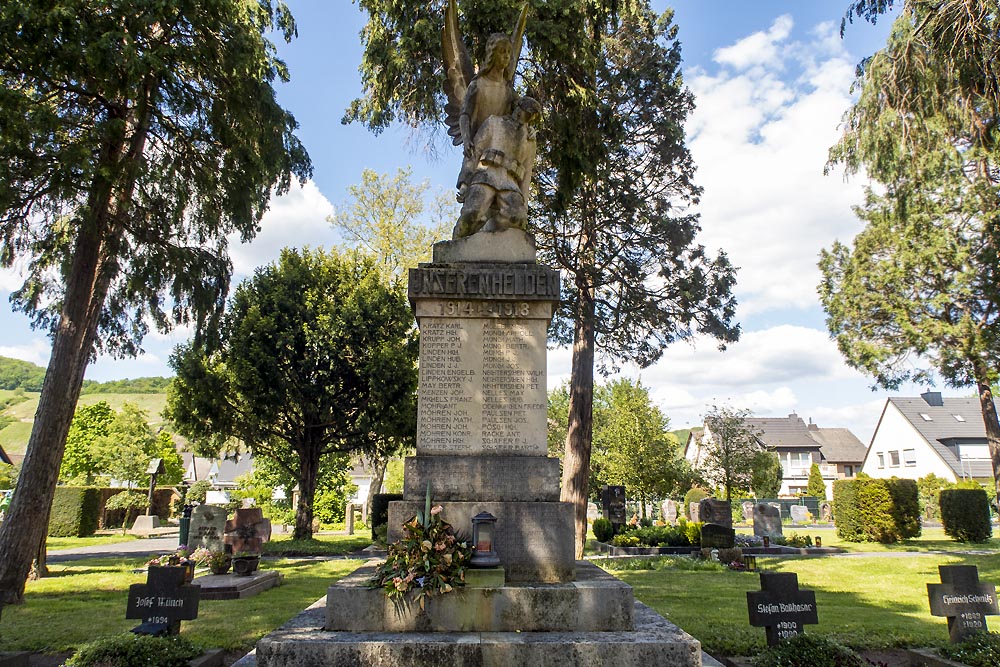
[959, 418]
[848, 471]
[894, 459]
[881, 460]
[926, 417]
[910, 457]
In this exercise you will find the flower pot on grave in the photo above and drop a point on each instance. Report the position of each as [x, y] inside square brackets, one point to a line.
[221, 567]
[244, 566]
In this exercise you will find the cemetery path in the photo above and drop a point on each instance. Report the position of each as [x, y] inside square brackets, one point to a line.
[153, 546]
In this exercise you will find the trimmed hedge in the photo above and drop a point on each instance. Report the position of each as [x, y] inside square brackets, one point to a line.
[876, 510]
[75, 511]
[965, 514]
[604, 530]
[379, 511]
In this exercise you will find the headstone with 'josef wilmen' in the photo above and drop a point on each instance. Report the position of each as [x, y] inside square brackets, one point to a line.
[963, 600]
[780, 607]
[164, 600]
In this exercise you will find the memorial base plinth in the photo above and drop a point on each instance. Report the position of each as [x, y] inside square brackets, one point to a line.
[595, 602]
[231, 587]
[303, 643]
[482, 478]
[534, 540]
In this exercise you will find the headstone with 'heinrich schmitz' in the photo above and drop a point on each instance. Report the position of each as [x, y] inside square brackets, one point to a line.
[963, 600]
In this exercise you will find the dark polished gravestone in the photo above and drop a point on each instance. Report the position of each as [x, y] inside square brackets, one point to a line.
[963, 600]
[163, 601]
[719, 512]
[780, 607]
[613, 505]
[714, 536]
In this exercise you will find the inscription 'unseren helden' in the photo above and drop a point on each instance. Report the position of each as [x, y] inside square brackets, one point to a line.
[482, 386]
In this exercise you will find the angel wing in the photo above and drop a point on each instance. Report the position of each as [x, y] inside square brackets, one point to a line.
[458, 71]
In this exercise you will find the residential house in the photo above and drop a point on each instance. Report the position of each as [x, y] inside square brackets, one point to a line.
[930, 434]
[798, 445]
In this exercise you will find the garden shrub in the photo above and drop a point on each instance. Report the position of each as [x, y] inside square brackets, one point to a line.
[75, 511]
[197, 492]
[657, 536]
[694, 495]
[809, 650]
[692, 530]
[379, 511]
[603, 529]
[128, 650]
[965, 514]
[798, 541]
[980, 650]
[625, 540]
[876, 510]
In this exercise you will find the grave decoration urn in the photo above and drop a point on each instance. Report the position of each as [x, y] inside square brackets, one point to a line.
[485, 554]
[244, 566]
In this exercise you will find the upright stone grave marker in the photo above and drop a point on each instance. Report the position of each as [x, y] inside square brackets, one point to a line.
[780, 607]
[766, 520]
[163, 601]
[669, 510]
[208, 528]
[747, 507]
[694, 512]
[963, 600]
[826, 512]
[248, 530]
[613, 505]
[719, 512]
[800, 514]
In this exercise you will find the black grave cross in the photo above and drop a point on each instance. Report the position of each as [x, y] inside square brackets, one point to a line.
[780, 607]
[963, 600]
[164, 600]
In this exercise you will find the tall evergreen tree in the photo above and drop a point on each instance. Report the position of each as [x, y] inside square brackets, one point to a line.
[134, 138]
[922, 280]
[613, 184]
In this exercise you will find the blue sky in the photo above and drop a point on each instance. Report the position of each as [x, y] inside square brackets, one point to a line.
[771, 81]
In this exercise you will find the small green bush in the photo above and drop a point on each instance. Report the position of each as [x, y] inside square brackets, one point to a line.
[625, 540]
[129, 650]
[980, 650]
[809, 650]
[196, 492]
[694, 495]
[603, 529]
[656, 536]
[798, 541]
[876, 510]
[692, 530]
[965, 514]
[75, 511]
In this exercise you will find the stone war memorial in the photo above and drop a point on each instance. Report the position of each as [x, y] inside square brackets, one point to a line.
[483, 306]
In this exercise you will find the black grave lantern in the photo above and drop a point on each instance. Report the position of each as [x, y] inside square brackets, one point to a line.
[483, 532]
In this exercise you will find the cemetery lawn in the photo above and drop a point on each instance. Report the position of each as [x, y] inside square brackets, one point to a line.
[57, 543]
[864, 602]
[282, 544]
[931, 539]
[85, 600]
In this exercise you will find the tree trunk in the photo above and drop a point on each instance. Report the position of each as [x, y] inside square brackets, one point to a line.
[576, 463]
[378, 463]
[308, 475]
[989, 409]
[25, 524]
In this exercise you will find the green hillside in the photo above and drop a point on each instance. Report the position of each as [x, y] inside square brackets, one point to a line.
[20, 382]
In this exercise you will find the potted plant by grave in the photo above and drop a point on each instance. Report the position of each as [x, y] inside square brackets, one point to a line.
[245, 563]
[219, 562]
[430, 559]
[182, 557]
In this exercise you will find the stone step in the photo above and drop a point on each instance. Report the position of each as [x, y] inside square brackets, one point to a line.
[654, 641]
[595, 602]
[489, 478]
[534, 540]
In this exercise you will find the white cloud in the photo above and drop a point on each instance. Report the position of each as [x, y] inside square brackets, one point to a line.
[760, 48]
[37, 351]
[760, 137]
[294, 220]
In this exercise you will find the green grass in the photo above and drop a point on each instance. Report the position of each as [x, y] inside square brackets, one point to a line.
[863, 602]
[55, 543]
[14, 438]
[85, 600]
[282, 544]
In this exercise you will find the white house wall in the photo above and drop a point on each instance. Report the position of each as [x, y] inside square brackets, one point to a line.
[896, 434]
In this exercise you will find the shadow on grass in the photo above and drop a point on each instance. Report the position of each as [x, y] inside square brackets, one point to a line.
[865, 603]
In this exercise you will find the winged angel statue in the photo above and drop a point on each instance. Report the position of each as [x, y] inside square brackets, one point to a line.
[493, 125]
